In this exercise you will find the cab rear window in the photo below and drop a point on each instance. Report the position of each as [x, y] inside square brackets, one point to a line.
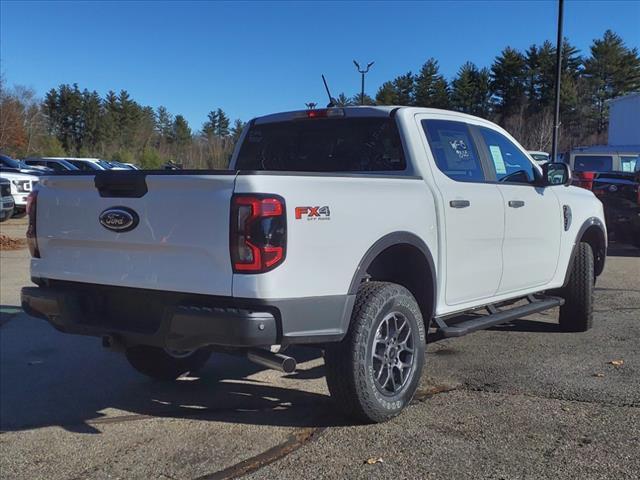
[593, 163]
[369, 144]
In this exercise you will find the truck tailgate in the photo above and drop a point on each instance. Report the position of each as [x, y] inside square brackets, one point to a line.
[181, 241]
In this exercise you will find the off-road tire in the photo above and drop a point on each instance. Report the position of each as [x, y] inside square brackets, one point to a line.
[156, 363]
[349, 365]
[576, 315]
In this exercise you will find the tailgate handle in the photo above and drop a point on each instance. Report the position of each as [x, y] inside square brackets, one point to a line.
[121, 184]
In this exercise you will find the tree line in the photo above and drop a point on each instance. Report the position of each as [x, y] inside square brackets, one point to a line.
[516, 91]
[74, 122]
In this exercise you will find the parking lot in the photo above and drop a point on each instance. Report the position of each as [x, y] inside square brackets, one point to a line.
[518, 401]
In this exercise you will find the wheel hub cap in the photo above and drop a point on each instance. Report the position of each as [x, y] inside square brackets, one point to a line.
[393, 353]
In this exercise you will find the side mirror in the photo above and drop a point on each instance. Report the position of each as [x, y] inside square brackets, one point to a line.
[556, 173]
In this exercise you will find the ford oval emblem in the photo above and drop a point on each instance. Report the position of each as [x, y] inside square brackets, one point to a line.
[119, 219]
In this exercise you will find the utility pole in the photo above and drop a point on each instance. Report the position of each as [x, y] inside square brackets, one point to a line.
[556, 113]
[363, 73]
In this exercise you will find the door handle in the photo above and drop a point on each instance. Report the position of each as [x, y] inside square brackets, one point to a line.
[459, 203]
[516, 203]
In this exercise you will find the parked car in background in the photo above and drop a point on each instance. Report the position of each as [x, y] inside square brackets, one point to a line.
[613, 175]
[89, 164]
[115, 165]
[540, 157]
[53, 164]
[22, 184]
[86, 164]
[8, 163]
[603, 158]
[6, 200]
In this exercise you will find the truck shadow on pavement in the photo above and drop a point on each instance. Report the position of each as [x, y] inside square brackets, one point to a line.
[622, 250]
[51, 379]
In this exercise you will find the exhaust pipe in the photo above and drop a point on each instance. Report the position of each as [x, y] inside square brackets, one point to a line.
[113, 343]
[274, 361]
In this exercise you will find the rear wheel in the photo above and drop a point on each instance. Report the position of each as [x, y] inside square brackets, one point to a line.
[374, 371]
[576, 315]
[164, 364]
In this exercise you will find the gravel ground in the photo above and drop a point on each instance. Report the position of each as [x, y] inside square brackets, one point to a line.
[519, 401]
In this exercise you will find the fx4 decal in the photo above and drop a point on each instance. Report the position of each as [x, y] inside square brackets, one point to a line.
[313, 213]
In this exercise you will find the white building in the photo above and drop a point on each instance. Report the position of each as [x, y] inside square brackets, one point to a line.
[624, 120]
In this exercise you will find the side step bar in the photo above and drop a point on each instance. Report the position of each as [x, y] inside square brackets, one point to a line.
[496, 317]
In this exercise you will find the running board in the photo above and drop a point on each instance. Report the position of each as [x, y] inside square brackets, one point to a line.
[496, 317]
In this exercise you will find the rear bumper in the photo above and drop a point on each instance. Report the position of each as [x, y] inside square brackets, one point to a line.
[182, 321]
[181, 327]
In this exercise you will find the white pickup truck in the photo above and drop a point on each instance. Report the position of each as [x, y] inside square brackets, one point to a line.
[359, 230]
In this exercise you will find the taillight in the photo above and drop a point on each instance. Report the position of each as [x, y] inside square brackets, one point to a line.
[258, 238]
[585, 179]
[32, 237]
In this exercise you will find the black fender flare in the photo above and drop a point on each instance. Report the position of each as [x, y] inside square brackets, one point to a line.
[588, 223]
[390, 240]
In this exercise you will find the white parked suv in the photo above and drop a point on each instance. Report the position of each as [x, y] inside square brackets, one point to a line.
[358, 230]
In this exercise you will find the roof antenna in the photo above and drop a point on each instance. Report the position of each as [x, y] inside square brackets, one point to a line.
[332, 101]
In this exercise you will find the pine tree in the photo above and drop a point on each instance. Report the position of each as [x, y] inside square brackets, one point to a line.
[542, 93]
[222, 127]
[69, 108]
[109, 126]
[431, 89]
[612, 70]
[463, 88]
[236, 131]
[471, 91]
[532, 88]
[404, 87]
[356, 100]
[129, 113]
[386, 95]
[91, 119]
[211, 125]
[508, 81]
[342, 100]
[164, 123]
[50, 109]
[181, 131]
[484, 105]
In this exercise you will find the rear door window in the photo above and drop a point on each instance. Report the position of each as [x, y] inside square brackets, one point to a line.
[369, 144]
[593, 163]
[454, 151]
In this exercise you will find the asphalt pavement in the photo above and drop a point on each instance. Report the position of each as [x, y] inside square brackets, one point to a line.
[522, 400]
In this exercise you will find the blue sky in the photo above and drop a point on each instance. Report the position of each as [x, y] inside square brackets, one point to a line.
[255, 58]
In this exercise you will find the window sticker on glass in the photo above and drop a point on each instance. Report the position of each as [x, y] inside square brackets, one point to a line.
[460, 147]
[498, 161]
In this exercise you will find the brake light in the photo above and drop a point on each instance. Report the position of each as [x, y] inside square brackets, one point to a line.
[585, 179]
[32, 237]
[321, 113]
[258, 233]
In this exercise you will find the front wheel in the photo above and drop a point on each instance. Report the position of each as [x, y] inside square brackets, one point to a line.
[576, 315]
[373, 373]
[164, 364]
